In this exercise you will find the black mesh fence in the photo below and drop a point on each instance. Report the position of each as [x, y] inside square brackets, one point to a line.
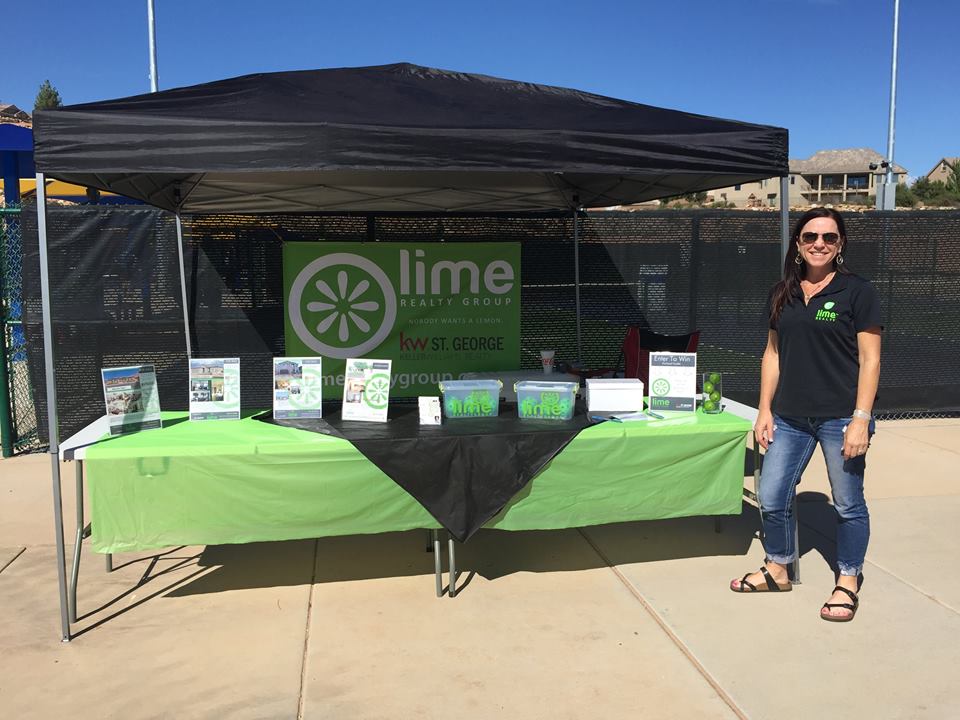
[117, 298]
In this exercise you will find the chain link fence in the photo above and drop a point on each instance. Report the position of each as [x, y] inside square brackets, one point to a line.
[18, 418]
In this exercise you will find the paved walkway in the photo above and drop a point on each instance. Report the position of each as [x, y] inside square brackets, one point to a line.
[631, 620]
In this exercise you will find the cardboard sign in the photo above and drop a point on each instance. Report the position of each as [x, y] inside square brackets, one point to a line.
[297, 388]
[366, 390]
[215, 388]
[673, 381]
[131, 397]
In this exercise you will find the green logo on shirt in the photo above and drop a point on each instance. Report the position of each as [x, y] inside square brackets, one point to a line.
[826, 314]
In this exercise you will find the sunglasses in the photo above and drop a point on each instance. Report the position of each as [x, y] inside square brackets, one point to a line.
[830, 238]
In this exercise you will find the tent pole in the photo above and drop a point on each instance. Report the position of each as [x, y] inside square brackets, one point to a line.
[183, 289]
[784, 218]
[45, 299]
[576, 271]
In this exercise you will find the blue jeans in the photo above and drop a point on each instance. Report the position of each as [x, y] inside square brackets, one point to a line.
[794, 440]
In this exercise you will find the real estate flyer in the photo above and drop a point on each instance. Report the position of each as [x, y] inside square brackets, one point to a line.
[133, 402]
[366, 390]
[673, 381]
[297, 388]
[215, 389]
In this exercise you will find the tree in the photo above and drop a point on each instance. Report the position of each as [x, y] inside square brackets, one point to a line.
[953, 180]
[905, 196]
[47, 97]
[935, 193]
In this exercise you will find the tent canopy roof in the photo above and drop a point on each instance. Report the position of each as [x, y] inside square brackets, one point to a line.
[395, 138]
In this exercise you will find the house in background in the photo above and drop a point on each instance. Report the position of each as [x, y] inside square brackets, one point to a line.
[941, 171]
[12, 115]
[827, 177]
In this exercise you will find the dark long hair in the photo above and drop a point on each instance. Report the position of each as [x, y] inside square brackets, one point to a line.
[794, 272]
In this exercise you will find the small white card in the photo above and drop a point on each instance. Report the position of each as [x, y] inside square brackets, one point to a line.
[366, 390]
[297, 388]
[673, 381]
[133, 402]
[429, 410]
[215, 388]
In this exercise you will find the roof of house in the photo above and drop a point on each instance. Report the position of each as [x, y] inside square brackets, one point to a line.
[941, 161]
[12, 112]
[849, 160]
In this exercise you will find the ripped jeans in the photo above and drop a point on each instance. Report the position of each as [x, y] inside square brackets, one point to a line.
[783, 465]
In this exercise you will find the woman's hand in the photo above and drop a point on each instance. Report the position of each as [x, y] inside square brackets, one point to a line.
[763, 429]
[856, 439]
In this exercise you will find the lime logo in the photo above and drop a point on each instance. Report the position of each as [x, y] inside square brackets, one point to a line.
[826, 313]
[231, 389]
[377, 392]
[342, 305]
[306, 393]
[660, 386]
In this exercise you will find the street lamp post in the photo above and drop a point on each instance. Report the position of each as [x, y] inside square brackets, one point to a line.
[152, 32]
[887, 192]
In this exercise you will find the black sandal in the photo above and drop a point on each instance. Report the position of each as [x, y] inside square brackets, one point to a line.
[772, 585]
[852, 607]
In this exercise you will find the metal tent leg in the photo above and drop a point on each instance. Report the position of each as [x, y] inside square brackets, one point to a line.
[784, 218]
[453, 566]
[78, 546]
[437, 562]
[52, 420]
[576, 272]
[183, 290]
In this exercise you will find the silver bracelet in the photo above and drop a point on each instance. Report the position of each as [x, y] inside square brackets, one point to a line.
[862, 414]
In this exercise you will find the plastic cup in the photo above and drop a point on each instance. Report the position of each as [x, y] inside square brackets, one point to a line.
[546, 357]
[712, 392]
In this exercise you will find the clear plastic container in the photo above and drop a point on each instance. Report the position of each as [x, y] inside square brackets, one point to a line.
[542, 400]
[471, 398]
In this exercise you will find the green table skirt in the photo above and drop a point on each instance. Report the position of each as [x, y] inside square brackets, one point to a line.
[206, 483]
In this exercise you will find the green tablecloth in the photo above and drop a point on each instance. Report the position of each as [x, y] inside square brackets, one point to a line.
[203, 483]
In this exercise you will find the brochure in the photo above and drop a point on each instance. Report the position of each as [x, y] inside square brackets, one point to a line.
[297, 388]
[133, 402]
[366, 390]
[673, 381]
[429, 410]
[215, 389]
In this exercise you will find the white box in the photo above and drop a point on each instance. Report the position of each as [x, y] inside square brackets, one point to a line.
[608, 395]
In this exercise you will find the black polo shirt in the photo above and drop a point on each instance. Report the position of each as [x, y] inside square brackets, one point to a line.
[817, 344]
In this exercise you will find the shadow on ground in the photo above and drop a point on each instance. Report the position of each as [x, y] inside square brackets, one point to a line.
[490, 553]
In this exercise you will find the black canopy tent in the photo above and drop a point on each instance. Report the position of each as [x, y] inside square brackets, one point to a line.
[395, 138]
[388, 139]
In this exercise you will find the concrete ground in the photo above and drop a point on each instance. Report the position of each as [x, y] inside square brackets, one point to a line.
[631, 620]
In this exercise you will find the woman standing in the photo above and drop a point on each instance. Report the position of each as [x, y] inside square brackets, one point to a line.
[818, 382]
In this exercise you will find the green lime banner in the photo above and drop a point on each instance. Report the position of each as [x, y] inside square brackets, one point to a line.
[437, 310]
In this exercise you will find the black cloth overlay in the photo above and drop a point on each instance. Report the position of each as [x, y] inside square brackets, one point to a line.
[464, 471]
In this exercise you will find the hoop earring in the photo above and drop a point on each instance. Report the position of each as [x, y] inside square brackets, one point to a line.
[839, 259]
[797, 260]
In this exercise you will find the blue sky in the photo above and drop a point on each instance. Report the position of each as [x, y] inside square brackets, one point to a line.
[820, 68]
